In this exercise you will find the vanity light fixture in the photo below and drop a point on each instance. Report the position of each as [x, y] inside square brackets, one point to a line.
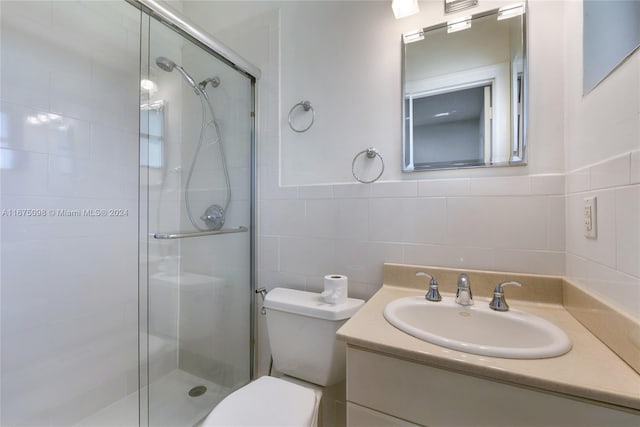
[404, 8]
[459, 24]
[451, 6]
[413, 36]
[510, 11]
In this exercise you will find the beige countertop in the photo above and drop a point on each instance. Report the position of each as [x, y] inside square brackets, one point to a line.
[590, 370]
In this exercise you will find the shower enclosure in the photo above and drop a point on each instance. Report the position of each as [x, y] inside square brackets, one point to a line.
[127, 185]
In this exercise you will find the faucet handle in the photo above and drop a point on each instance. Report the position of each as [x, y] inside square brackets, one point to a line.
[498, 303]
[432, 294]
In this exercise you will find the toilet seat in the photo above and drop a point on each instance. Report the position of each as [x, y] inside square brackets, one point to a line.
[267, 401]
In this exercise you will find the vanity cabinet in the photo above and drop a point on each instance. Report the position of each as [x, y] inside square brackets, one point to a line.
[384, 390]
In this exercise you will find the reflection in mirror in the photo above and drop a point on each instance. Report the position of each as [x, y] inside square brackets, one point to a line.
[463, 93]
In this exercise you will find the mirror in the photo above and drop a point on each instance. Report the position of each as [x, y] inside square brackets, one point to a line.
[464, 92]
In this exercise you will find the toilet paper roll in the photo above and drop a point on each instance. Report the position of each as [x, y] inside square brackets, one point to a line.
[336, 287]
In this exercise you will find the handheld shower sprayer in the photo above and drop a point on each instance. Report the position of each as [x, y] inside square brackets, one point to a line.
[214, 216]
[168, 65]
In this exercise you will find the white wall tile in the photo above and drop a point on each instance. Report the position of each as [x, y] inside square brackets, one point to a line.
[444, 187]
[556, 223]
[282, 217]
[535, 262]
[351, 191]
[26, 61]
[627, 224]
[362, 261]
[362, 290]
[577, 181]
[338, 219]
[315, 192]
[407, 220]
[395, 189]
[524, 217]
[449, 256]
[69, 137]
[74, 319]
[548, 184]
[610, 173]
[274, 279]
[614, 287]
[23, 172]
[467, 219]
[420, 254]
[269, 255]
[307, 256]
[270, 187]
[17, 131]
[503, 186]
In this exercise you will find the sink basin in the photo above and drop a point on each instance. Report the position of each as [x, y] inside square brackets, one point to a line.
[477, 329]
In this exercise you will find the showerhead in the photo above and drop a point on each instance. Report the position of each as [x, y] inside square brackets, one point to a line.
[165, 64]
[168, 65]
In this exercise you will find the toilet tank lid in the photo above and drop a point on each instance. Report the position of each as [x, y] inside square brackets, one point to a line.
[310, 304]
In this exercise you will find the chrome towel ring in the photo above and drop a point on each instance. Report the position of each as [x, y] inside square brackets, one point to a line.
[306, 106]
[371, 153]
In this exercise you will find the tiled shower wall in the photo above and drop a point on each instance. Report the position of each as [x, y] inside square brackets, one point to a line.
[69, 282]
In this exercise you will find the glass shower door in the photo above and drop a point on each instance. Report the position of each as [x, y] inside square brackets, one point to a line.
[196, 181]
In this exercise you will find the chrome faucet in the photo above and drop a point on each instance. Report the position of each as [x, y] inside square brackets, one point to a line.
[498, 302]
[432, 294]
[463, 294]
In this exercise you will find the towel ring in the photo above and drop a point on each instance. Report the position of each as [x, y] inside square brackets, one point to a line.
[306, 106]
[371, 153]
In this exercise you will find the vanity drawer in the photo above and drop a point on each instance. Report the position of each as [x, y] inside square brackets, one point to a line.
[436, 397]
[359, 416]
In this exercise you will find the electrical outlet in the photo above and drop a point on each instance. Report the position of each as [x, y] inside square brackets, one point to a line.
[589, 218]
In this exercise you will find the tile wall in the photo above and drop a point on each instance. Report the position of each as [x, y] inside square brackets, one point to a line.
[69, 281]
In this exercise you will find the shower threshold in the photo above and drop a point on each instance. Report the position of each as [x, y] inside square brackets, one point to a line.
[169, 404]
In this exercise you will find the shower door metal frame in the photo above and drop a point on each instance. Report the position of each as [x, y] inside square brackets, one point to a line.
[199, 37]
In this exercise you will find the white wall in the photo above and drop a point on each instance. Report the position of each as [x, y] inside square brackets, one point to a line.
[69, 141]
[602, 146]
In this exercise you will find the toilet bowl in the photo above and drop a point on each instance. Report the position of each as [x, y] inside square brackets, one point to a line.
[301, 328]
[267, 401]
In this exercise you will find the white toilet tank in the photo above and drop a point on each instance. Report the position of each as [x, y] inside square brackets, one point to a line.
[302, 334]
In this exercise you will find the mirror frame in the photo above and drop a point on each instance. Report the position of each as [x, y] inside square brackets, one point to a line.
[523, 149]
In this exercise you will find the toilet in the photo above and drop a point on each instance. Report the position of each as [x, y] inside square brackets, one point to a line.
[302, 335]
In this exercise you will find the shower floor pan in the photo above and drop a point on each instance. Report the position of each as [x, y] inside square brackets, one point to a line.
[170, 404]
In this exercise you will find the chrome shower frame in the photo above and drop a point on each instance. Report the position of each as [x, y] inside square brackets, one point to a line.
[198, 36]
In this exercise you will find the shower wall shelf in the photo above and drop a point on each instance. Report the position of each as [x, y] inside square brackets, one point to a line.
[172, 236]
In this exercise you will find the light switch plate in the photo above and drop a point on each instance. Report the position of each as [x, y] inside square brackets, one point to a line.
[590, 218]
